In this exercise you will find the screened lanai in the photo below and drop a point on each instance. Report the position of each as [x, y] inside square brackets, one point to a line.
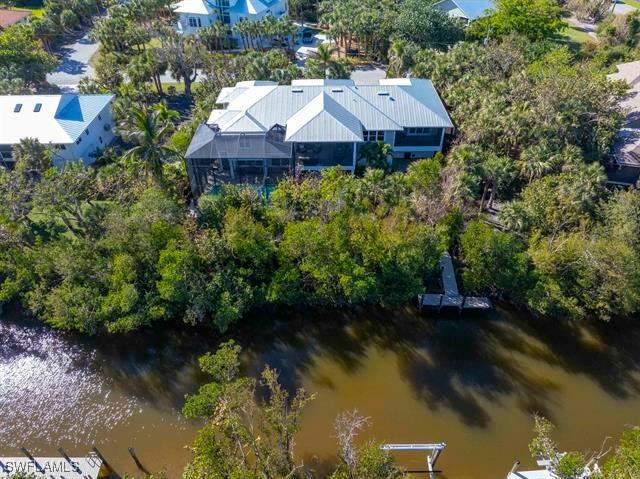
[214, 158]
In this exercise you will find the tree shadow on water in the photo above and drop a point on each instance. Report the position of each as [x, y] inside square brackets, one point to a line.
[462, 365]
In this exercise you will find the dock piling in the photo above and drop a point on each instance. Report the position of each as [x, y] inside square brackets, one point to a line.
[32, 459]
[132, 452]
[68, 459]
[104, 461]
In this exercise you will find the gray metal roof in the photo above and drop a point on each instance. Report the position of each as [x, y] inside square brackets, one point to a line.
[323, 119]
[207, 143]
[313, 111]
[393, 105]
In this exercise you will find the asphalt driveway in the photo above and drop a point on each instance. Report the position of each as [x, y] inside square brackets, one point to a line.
[74, 63]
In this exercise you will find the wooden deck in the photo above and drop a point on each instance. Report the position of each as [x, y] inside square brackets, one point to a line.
[451, 297]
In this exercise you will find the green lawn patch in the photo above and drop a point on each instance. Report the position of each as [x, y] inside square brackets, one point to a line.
[633, 3]
[575, 35]
[33, 6]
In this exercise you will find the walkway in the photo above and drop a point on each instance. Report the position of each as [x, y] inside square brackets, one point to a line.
[74, 63]
[451, 296]
[627, 147]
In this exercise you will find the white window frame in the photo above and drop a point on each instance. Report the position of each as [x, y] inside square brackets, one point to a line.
[421, 131]
[373, 135]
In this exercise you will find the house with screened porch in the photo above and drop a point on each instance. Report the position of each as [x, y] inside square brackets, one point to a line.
[264, 131]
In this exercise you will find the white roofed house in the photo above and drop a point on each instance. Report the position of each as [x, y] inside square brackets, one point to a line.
[196, 14]
[75, 126]
[265, 131]
[465, 10]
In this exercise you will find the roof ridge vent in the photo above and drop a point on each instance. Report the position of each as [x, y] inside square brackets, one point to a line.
[297, 90]
[337, 90]
[383, 93]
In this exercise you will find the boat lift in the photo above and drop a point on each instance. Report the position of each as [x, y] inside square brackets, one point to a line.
[434, 452]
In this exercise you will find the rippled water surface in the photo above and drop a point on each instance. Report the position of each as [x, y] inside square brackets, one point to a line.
[470, 382]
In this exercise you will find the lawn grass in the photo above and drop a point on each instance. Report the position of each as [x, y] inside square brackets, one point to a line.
[179, 86]
[33, 6]
[576, 36]
[633, 3]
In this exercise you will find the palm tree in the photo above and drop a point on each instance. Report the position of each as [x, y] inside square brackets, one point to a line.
[397, 58]
[148, 129]
[324, 54]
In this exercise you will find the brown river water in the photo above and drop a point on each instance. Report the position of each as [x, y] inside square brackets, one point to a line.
[470, 382]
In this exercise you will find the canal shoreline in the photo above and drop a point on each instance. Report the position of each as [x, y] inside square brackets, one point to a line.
[459, 380]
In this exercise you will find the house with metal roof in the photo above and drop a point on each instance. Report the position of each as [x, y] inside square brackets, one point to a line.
[465, 10]
[75, 126]
[264, 130]
[196, 14]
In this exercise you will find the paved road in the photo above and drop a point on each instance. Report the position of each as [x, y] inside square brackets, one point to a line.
[74, 63]
[369, 74]
[623, 8]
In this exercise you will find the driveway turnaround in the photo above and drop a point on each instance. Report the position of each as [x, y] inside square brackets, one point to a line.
[74, 63]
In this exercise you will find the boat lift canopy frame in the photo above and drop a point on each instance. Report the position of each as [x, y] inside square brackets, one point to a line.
[436, 449]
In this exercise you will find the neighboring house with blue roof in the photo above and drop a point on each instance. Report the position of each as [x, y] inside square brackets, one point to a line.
[265, 131]
[196, 14]
[75, 126]
[465, 10]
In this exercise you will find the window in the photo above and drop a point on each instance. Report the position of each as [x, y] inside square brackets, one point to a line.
[62, 147]
[86, 132]
[99, 117]
[17, 108]
[78, 141]
[420, 131]
[373, 135]
[245, 143]
[38, 107]
[100, 138]
[194, 22]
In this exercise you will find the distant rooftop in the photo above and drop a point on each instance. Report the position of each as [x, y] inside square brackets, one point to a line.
[56, 119]
[9, 17]
[208, 7]
[469, 9]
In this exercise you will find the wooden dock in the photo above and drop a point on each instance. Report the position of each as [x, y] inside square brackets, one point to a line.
[451, 297]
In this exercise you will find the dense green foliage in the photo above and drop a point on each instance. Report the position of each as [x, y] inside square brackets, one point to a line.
[24, 64]
[247, 438]
[108, 250]
[534, 123]
[623, 463]
[533, 19]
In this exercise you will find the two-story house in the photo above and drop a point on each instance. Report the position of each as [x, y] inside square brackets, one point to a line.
[75, 126]
[265, 130]
[195, 14]
[466, 11]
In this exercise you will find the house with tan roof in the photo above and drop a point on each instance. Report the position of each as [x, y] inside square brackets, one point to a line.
[11, 17]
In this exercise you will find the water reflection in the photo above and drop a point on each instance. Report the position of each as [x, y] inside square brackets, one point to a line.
[460, 380]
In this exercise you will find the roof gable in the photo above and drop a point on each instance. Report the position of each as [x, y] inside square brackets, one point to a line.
[60, 119]
[324, 120]
[195, 7]
[392, 105]
[470, 9]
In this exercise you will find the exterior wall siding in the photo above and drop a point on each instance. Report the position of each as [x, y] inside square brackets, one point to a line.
[277, 10]
[90, 143]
